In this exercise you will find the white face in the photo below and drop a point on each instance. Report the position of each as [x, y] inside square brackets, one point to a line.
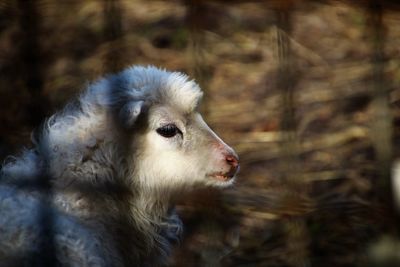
[181, 151]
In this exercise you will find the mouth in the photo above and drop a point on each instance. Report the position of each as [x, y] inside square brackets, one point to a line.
[222, 177]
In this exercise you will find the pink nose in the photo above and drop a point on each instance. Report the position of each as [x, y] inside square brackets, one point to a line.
[233, 161]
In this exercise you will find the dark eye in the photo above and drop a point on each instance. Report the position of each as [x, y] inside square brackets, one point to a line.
[169, 130]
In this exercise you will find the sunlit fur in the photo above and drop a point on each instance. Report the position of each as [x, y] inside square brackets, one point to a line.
[113, 178]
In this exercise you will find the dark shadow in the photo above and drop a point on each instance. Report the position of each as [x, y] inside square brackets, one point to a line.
[31, 71]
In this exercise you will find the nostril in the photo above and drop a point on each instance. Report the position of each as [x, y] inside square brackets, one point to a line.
[232, 160]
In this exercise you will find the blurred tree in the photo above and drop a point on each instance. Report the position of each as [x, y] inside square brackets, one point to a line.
[197, 23]
[296, 228]
[22, 75]
[113, 36]
[32, 61]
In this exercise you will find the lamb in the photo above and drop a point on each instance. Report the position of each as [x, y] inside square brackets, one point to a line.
[99, 186]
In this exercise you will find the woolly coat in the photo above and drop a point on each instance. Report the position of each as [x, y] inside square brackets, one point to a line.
[75, 199]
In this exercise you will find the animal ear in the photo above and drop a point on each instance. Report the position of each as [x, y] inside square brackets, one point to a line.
[130, 112]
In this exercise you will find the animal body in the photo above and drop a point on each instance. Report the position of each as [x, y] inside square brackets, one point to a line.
[98, 187]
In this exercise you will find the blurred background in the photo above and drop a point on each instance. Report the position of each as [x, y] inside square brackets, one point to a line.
[307, 92]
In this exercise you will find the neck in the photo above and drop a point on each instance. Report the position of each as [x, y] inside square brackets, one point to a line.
[152, 207]
[150, 215]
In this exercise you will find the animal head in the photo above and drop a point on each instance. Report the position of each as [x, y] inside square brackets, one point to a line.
[150, 114]
[175, 148]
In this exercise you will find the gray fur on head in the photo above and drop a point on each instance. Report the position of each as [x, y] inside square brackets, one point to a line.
[112, 164]
[130, 112]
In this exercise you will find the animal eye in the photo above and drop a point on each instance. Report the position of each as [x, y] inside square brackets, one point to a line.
[169, 130]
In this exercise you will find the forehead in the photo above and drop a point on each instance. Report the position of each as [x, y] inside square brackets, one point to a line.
[159, 114]
[180, 99]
